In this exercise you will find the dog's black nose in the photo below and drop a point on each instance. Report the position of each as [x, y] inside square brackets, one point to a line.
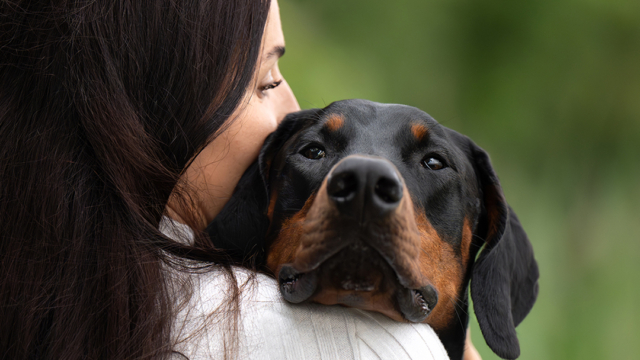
[365, 187]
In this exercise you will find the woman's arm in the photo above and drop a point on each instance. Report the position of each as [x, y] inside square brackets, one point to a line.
[470, 352]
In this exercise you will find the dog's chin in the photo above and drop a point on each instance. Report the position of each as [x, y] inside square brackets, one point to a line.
[357, 276]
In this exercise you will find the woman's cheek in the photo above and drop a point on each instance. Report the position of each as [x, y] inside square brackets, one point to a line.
[257, 120]
[287, 102]
[253, 128]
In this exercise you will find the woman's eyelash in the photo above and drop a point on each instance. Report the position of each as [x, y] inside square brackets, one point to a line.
[271, 86]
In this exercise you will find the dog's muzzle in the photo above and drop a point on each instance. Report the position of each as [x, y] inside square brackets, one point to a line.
[361, 267]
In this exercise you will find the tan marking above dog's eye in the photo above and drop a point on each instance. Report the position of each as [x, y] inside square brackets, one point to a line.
[313, 152]
[419, 131]
[335, 122]
[433, 163]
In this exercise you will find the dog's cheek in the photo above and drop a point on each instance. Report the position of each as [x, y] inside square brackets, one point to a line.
[284, 247]
[444, 267]
[319, 234]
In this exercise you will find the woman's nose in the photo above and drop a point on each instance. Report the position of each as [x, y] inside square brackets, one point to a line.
[289, 103]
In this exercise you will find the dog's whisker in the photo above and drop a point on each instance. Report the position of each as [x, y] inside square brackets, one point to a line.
[479, 237]
[457, 307]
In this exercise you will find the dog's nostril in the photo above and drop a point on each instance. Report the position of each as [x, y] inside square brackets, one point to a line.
[388, 190]
[343, 186]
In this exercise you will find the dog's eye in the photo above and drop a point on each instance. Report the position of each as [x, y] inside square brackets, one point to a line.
[313, 152]
[433, 163]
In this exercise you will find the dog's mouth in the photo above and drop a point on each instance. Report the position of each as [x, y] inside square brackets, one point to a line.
[358, 276]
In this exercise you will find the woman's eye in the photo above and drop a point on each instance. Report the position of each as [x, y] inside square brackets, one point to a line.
[273, 85]
[432, 163]
[313, 152]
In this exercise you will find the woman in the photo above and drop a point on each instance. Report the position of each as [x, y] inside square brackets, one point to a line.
[114, 114]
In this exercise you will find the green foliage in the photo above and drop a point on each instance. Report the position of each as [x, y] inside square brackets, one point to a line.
[551, 89]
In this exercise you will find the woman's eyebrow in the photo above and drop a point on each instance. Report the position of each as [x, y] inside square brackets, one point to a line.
[276, 51]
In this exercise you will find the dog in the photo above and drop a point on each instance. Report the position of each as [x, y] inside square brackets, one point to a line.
[379, 207]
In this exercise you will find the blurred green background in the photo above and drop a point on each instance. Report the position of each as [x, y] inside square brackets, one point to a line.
[551, 89]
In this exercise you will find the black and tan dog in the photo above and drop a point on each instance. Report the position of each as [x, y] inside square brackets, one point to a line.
[379, 207]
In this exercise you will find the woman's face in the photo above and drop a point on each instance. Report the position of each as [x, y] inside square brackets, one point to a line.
[217, 169]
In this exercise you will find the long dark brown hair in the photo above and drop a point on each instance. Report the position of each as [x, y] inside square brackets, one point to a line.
[102, 106]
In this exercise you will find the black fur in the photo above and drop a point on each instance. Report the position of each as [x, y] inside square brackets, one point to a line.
[241, 225]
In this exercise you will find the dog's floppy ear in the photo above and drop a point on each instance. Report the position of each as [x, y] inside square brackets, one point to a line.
[504, 280]
[241, 226]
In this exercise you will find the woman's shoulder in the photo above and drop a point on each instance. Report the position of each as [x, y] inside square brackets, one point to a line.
[268, 327]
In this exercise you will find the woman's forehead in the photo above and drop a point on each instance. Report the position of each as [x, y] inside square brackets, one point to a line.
[273, 35]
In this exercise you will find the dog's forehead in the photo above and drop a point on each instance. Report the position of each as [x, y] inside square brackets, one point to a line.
[368, 124]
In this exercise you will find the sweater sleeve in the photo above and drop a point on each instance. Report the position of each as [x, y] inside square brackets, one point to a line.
[270, 328]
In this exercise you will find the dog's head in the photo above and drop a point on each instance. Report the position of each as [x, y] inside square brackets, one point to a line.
[379, 207]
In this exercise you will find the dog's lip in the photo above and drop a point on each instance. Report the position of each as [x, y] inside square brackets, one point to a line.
[298, 281]
[389, 255]
[306, 266]
[416, 304]
[296, 286]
